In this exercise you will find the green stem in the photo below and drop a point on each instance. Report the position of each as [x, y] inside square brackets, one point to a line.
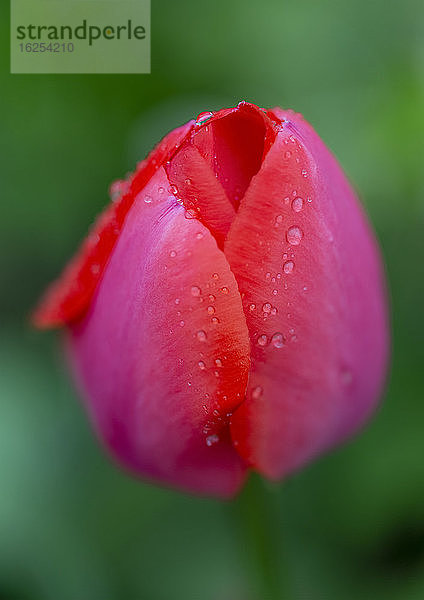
[257, 518]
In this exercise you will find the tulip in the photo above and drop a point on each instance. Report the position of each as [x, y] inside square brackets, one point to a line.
[227, 312]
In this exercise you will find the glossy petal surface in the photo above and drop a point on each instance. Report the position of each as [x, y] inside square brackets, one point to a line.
[163, 352]
[307, 265]
[69, 296]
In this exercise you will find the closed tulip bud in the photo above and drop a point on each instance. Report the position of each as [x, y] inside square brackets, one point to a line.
[227, 311]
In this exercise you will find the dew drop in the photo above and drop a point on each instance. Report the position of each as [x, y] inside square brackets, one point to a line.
[278, 220]
[172, 254]
[188, 181]
[297, 204]
[201, 365]
[177, 300]
[257, 392]
[288, 267]
[224, 290]
[267, 307]
[161, 190]
[147, 199]
[275, 292]
[215, 276]
[201, 336]
[218, 362]
[203, 116]
[294, 236]
[199, 235]
[195, 291]
[262, 340]
[252, 307]
[277, 340]
[346, 377]
[211, 310]
[287, 154]
[182, 323]
[173, 189]
[215, 320]
[212, 439]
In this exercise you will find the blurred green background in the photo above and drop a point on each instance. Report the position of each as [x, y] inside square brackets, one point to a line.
[74, 527]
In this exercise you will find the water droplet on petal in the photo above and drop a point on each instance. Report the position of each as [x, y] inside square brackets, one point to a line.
[294, 236]
[195, 291]
[201, 336]
[147, 199]
[212, 439]
[277, 340]
[297, 204]
[203, 116]
[199, 235]
[252, 307]
[201, 365]
[278, 220]
[182, 323]
[177, 300]
[346, 377]
[262, 340]
[224, 290]
[257, 392]
[266, 307]
[215, 276]
[218, 362]
[172, 254]
[288, 267]
[215, 320]
[211, 310]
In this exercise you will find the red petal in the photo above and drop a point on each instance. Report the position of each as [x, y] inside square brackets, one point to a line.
[69, 296]
[163, 351]
[195, 183]
[311, 282]
[234, 142]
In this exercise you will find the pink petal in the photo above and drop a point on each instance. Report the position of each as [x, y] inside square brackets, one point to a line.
[69, 296]
[163, 352]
